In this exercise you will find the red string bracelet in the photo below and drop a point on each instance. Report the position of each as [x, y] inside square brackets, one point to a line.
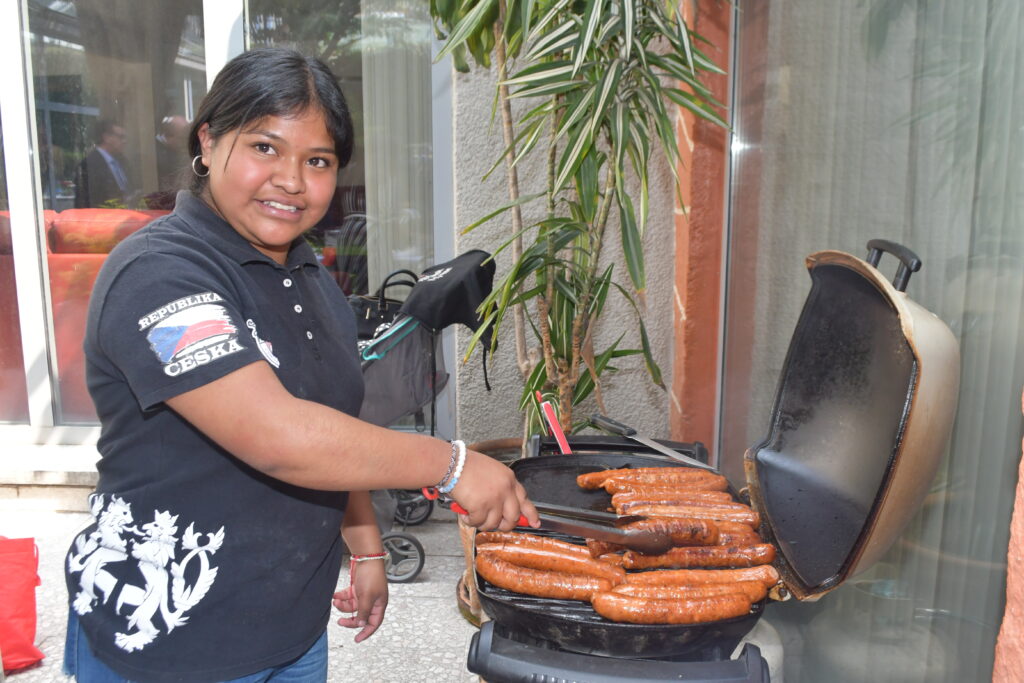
[362, 558]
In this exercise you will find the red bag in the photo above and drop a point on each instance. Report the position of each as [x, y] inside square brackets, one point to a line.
[19, 565]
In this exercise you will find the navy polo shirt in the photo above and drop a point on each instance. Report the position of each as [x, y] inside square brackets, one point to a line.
[198, 567]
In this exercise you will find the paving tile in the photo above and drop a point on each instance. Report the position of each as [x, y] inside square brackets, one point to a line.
[424, 636]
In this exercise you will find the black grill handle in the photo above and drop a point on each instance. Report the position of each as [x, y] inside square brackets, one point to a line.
[909, 262]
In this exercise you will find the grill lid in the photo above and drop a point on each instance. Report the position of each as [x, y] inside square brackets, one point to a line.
[862, 415]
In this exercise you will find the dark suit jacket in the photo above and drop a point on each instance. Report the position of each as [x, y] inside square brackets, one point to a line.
[95, 182]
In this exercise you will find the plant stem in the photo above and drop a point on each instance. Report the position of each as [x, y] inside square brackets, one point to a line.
[512, 176]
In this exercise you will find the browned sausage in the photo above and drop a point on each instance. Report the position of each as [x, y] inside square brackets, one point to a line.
[703, 556]
[552, 560]
[599, 548]
[653, 475]
[745, 516]
[682, 531]
[618, 607]
[628, 507]
[751, 590]
[611, 558]
[670, 493]
[766, 574]
[543, 584]
[530, 540]
[748, 537]
[617, 485]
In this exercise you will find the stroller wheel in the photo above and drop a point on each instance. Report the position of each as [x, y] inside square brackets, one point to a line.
[405, 557]
[413, 508]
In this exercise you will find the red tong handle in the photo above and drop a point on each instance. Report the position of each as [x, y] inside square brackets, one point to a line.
[462, 511]
[553, 424]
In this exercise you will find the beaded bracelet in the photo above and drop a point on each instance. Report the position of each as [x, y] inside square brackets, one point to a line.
[372, 556]
[451, 464]
[458, 468]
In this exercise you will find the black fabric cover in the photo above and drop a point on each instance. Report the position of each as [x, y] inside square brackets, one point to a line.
[450, 292]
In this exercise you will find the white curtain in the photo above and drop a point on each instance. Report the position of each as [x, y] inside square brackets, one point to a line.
[399, 191]
[899, 119]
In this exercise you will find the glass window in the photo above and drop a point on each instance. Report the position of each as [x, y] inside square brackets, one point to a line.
[13, 392]
[115, 86]
[381, 219]
[895, 120]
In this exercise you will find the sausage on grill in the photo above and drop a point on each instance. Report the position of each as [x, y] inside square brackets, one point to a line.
[552, 560]
[537, 582]
[703, 556]
[766, 574]
[627, 608]
[746, 515]
[655, 475]
[531, 540]
[754, 591]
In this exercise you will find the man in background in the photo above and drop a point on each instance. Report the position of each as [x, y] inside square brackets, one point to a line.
[101, 179]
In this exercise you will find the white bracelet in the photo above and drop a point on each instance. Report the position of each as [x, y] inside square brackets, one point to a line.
[458, 468]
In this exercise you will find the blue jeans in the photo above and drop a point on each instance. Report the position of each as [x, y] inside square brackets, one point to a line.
[80, 662]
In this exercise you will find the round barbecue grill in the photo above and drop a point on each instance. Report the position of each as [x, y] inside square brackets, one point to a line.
[862, 415]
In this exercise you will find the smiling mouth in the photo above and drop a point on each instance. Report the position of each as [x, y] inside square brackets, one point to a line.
[277, 205]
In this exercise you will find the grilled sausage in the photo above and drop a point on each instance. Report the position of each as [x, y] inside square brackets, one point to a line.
[543, 584]
[628, 507]
[617, 485]
[531, 540]
[754, 591]
[682, 530]
[654, 475]
[552, 560]
[634, 610]
[747, 537]
[703, 556]
[719, 514]
[599, 548]
[626, 499]
[611, 558]
[766, 574]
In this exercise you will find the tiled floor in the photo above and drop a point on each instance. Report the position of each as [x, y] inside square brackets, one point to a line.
[424, 636]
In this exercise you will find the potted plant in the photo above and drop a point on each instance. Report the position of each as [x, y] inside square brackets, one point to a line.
[601, 80]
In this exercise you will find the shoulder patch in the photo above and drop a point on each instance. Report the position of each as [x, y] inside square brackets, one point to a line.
[190, 332]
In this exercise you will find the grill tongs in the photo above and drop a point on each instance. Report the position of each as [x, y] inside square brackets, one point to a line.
[602, 526]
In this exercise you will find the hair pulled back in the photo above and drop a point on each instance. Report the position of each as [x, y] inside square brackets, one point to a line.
[271, 82]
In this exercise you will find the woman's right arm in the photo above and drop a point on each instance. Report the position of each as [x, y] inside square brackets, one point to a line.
[249, 413]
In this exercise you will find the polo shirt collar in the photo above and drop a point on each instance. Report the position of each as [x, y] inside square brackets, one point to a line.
[198, 215]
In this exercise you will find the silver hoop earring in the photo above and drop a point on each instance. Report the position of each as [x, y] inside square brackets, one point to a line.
[199, 159]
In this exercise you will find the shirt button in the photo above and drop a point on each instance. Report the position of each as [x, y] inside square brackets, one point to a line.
[309, 335]
[298, 308]
[287, 282]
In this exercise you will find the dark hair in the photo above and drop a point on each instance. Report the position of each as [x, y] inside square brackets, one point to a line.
[271, 82]
[102, 127]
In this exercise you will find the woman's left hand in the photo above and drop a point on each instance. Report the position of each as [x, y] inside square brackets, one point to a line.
[367, 596]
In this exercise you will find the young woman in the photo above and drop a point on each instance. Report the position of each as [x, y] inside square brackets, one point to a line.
[222, 362]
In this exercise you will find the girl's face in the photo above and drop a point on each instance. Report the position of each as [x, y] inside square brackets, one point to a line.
[272, 180]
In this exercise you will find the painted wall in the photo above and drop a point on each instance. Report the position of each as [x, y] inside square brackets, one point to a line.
[629, 395]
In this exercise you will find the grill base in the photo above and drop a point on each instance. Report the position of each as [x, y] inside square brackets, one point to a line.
[498, 657]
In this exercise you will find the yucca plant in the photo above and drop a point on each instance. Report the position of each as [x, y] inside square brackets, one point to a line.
[601, 80]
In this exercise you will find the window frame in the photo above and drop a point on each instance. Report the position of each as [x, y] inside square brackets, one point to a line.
[223, 24]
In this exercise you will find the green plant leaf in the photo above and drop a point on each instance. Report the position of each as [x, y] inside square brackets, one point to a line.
[468, 26]
[554, 41]
[632, 242]
[503, 209]
[591, 18]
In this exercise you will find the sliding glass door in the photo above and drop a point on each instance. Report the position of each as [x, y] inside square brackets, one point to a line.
[896, 120]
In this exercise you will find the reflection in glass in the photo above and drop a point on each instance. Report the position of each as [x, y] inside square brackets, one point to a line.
[382, 216]
[897, 120]
[13, 391]
[116, 84]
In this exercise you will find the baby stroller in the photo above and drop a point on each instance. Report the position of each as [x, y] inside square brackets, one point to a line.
[403, 371]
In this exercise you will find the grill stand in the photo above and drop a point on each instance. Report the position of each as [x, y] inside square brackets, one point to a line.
[499, 659]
